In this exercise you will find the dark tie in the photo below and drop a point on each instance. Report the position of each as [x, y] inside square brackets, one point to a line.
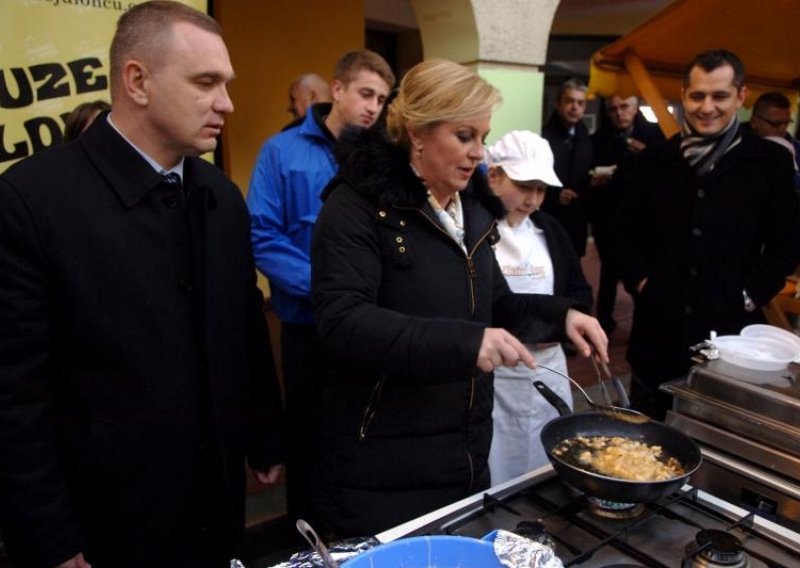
[176, 195]
[569, 141]
[173, 180]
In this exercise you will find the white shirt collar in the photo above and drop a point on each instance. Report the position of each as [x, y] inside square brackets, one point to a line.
[178, 168]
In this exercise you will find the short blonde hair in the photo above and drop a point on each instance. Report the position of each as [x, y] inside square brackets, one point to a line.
[437, 91]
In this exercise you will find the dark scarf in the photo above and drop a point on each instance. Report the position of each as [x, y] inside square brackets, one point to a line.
[703, 152]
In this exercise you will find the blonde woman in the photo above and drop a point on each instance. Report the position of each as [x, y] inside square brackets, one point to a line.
[536, 256]
[411, 307]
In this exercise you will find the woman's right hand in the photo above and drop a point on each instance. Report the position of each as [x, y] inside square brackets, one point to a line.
[500, 348]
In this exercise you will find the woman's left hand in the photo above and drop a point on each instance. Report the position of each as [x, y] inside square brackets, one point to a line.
[581, 327]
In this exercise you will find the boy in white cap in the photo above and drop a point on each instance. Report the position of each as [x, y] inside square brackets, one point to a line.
[536, 256]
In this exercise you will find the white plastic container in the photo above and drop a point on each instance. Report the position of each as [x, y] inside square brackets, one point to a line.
[775, 333]
[755, 353]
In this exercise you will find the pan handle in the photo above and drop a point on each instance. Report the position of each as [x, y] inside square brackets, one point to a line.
[557, 402]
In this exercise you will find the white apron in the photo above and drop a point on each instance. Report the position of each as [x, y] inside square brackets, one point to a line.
[520, 411]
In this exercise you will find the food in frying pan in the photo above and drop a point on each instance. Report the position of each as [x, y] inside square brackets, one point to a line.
[619, 457]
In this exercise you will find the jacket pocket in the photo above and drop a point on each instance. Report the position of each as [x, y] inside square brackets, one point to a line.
[371, 408]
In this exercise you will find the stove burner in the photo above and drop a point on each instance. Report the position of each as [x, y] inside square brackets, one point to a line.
[716, 548]
[613, 509]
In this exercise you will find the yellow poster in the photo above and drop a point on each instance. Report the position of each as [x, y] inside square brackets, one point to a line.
[53, 56]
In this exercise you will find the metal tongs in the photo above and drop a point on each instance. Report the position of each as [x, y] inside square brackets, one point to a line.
[599, 364]
[618, 412]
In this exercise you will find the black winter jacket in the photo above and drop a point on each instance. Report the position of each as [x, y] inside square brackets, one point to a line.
[611, 148]
[407, 416]
[568, 278]
[700, 242]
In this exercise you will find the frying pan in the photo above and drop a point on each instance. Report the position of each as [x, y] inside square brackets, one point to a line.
[598, 423]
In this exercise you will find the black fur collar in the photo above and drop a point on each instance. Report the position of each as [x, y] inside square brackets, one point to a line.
[374, 166]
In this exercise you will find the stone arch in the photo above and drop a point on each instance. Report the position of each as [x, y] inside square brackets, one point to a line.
[503, 40]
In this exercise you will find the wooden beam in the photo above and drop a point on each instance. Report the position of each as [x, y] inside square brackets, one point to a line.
[650, 93]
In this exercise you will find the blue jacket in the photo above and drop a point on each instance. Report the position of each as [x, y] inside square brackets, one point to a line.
[292, 169]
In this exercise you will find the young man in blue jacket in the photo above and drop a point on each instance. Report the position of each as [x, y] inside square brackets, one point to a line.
[291, 171]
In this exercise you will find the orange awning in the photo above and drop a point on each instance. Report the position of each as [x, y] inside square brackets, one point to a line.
[650, 60]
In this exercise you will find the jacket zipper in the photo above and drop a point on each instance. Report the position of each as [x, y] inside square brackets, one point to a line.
[371, 409]
[472, 271]
[473, 274]
[471, 392]
[469, 455]
[471, 471]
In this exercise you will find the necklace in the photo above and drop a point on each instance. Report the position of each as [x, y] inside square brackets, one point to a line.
[456, 212]
[451, 216]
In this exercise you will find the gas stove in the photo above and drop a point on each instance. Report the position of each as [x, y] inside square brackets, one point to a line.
[687, 529]
[747, 424]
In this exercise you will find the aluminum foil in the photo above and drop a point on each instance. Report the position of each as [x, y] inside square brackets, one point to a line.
[340, 551]
[707, 349]
[515, 551]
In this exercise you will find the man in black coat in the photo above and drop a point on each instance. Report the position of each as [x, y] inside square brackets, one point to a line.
[135, 372]
[771, 117]
[572, 150]
[623, 134]
[709, 229]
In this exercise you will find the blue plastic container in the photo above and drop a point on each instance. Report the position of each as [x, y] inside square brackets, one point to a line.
[430, 552]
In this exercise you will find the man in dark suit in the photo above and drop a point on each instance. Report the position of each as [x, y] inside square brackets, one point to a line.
[708, 229]
[622, 135]
[770, 119]
[572, 149]
[135, 372]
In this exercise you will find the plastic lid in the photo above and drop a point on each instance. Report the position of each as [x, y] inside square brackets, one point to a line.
[756, 353]
[775, 333]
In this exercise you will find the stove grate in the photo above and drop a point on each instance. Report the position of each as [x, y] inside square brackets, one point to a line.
[619, 538]
[582, 538]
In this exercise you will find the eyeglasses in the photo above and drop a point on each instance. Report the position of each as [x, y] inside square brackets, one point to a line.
[775, 123]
